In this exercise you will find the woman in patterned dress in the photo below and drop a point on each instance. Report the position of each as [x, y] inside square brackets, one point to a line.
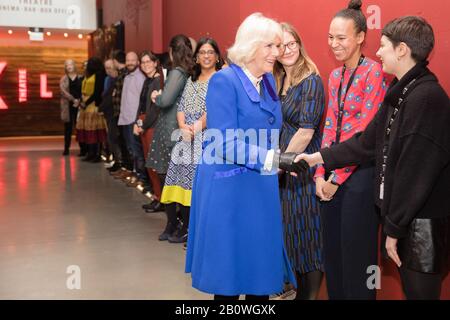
[191, 118]
[302, 103]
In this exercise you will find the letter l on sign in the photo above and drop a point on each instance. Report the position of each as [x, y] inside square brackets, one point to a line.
[3, 105]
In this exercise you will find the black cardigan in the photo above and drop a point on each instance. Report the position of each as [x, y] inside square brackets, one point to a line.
[151, 109]
[417, 179]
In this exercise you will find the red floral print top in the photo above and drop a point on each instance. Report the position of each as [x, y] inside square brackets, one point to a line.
[362, 102]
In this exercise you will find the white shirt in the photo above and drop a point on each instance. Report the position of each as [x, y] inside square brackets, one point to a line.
[254, 80]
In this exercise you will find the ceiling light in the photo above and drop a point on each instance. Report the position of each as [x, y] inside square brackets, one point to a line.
[10, 32]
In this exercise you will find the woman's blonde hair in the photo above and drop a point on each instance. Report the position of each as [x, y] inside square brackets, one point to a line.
[303, 68]
[253, 31]
[72, 62]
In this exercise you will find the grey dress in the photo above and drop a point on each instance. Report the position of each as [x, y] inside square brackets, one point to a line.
[161, 146]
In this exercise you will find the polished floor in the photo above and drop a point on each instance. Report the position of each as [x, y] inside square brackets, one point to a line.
[57, 212]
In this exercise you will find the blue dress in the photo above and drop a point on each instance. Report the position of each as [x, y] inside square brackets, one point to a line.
[235, 242]
[302, 107]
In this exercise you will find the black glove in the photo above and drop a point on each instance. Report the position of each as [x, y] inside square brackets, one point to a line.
[286, 162]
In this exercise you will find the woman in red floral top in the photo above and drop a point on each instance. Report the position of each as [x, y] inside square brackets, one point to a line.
[350, 221]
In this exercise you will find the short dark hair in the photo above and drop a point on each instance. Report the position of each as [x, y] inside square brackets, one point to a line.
[415, 31]
[213, 43]
[119, 56]
[182, 53]
[353, 12]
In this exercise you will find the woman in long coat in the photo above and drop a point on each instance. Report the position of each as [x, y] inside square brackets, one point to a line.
[235, 240]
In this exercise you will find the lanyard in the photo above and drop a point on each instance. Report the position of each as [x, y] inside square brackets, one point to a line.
[341, 102]
[387, 135]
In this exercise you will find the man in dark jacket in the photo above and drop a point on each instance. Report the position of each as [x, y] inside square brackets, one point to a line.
[108, 111]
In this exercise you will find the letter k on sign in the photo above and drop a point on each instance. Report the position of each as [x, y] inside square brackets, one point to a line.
[3, 105]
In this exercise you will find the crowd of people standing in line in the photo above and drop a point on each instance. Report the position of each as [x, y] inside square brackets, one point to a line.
[251, 227]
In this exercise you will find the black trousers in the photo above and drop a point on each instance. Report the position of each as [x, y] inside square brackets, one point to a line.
[113, 138]
[69, 126]
[350, 234]
[419, 285]
[127, 161]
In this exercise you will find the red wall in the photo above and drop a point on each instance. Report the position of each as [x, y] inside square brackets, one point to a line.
[312, 18]
[142, 28]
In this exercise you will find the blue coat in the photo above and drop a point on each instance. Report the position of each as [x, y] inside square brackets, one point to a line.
[235, 242]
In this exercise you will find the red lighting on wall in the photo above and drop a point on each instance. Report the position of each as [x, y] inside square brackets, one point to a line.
[44, 90]
[23, 86]
[3, 105]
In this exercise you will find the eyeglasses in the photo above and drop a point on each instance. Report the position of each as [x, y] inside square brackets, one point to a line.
[208, 52]
[291, 45]
[279, 47]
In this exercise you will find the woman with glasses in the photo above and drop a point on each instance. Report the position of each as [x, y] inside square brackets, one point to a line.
[191, 117]
[350, 221]
[235, 241]
[302, 103]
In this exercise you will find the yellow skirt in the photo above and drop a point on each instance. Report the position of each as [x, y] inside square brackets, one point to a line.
[176, 194]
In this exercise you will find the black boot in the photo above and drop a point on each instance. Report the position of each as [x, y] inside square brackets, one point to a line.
[168, 231]
[83, 150]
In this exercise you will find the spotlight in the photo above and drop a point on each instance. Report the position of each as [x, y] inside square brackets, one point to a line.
[66, 34]
[10, 32]
[49, 33]
[80, 36]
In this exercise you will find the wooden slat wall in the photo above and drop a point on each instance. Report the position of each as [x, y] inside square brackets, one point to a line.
[36, 116]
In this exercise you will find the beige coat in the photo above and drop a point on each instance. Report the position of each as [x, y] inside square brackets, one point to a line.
[66, 98]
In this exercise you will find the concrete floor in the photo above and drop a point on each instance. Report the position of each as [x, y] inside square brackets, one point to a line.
[57, 212]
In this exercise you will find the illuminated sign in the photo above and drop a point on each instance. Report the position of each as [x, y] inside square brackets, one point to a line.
[3, 105]
[56, 14]
[22, 84]
[45, 94]
[23, 89]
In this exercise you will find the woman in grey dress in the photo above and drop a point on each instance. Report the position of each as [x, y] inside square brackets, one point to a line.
[180, 52]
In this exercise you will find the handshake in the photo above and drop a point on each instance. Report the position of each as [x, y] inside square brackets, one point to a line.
[288, 161]
[296, 163]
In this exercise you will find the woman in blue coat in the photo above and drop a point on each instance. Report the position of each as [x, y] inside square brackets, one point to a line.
[235, 241]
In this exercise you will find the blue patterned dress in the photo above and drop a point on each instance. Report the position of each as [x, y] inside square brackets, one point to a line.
[302, 107]
[186, 155]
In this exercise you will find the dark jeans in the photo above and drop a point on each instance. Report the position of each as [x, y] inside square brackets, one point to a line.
[350, 234]
[113, 138]
[68, 127]
[135, 151]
